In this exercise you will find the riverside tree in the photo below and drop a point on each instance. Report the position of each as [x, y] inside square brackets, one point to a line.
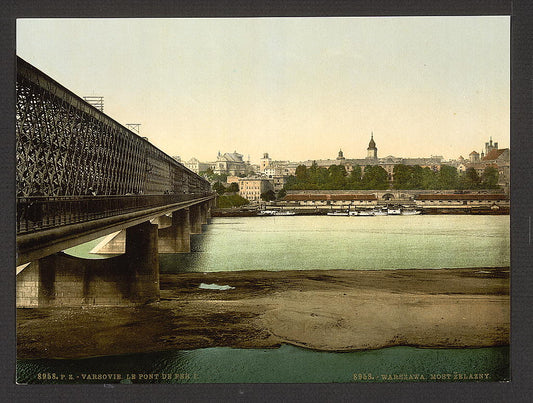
[375, 177]
[269, 195]
[219, 188]
[489, 178]
[232, 188]
[228, 201]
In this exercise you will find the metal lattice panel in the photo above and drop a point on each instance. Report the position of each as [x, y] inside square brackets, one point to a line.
[66, 147]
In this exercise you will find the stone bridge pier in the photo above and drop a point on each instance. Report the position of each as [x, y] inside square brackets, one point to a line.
[128, 279]
[176, 237]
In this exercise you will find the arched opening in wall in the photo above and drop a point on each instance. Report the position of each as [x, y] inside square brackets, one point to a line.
[387, 196]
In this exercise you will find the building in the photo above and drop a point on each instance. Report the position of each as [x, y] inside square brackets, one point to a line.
[232, 179]
[264, 163]
[501, 160]
[372, 151]
[277, 181]
[196, 166]
[496, 158]
[474, 157]
[387, 163]
[252, 188]
[271, 168]
[325, 198]
[231, 164]
[438, 201]
[489, 147]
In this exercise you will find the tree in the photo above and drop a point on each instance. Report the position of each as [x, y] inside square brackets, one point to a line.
[447, 177]
[489, 178]
[219, 188]
[429, 179]
[232, 188]
[470, 179]
[402, 176]
[269, 195]
[417, 177]
[353, 181]
[313, 174]
[231, 201]
[301, 174]
[281, 194]
[408, 176]
[291, 182]
[375, 177]
[212, 176]
[336, 177]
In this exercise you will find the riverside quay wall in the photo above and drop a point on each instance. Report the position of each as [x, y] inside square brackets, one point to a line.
[430, 202]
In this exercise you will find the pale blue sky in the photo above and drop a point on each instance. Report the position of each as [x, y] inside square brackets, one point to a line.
[298, 88]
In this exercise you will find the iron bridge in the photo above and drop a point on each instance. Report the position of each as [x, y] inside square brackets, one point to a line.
[76, 166]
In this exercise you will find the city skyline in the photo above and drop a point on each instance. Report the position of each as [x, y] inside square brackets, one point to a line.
[297, 88]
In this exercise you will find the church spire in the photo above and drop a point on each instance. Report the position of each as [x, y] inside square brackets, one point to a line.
[372, 149]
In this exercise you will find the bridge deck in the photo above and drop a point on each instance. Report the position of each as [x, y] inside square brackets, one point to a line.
[48, 225]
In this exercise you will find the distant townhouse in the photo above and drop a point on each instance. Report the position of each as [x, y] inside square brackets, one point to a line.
[196, 166]
[252, 188]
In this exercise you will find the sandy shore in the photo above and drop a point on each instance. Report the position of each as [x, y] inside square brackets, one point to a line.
[335, 310]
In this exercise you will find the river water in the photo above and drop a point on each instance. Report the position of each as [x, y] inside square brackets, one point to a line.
[316, 242]
[338, 242]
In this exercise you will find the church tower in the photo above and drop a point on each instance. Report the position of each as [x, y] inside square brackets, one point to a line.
[372, 151]
[340, 156]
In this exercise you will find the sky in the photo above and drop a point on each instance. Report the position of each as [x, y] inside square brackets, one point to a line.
[297, 88]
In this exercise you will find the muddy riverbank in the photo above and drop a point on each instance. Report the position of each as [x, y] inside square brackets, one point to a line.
[333, 310]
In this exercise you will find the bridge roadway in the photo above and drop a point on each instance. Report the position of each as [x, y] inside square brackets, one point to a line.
[50, 225]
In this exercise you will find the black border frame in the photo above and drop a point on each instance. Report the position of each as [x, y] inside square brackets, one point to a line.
[520, 387]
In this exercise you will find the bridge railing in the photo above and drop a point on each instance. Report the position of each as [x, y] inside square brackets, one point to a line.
[38, 213]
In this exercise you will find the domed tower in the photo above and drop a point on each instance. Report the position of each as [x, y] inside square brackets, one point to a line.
[340, 157]
[372, 151]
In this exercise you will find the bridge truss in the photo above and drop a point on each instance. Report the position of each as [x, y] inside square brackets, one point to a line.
[66, 147]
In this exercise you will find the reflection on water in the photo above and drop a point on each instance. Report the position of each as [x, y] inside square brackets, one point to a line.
[287, 364]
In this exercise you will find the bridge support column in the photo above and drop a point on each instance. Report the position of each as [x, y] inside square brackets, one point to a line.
[63, 280]
[210, 206]
[195, 219]
[176, 238]
[204, 209]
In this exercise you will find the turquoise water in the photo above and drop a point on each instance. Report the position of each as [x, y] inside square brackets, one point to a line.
[287, 364]
[324, 242]
[319, 242]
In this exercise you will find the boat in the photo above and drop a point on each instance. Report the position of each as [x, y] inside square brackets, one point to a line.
[266, 212]
[411, 212]
[380, 212]
[341, 213]
[284, 213]
[365, 213]
[394, 211]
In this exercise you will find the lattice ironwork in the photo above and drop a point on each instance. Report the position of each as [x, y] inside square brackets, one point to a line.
[66, 147]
